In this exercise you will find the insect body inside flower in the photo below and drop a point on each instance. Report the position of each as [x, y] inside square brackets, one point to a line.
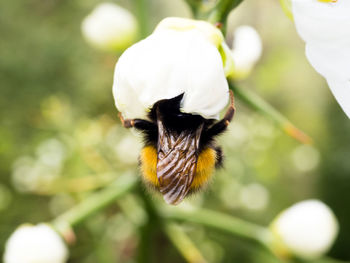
[180, 153]
[172, 86]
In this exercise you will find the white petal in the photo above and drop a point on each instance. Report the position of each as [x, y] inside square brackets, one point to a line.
[341, 91]
[333, 62]
[167, 64]
[206, 29]
[247, 49]
[35, 244]
[325, 22]
[307, 229]
[325, 29]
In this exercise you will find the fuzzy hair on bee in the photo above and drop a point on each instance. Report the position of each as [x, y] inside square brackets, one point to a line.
[180, 153]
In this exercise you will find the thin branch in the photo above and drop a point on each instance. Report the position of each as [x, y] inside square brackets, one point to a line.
[95, 202]
[141, 10]
[222, 10]
[195, 6]
[183, 243]
[144, 250]
[148, 230]
[260, 105]
[221, 222]
[232, 225]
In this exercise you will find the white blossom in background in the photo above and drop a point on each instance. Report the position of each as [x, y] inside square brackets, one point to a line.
[305, 158]
[254, 196]
[307, 229]
[128, 148]
[246, 50]
[33, 174]
[35, 244]
[180, 56]
[110, 27]
[324, 26]
[52, 153]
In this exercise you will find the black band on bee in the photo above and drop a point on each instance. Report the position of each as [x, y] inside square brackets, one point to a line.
[173, 118]
[219, 157]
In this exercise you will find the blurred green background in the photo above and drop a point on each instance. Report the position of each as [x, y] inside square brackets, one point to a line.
[61, 137]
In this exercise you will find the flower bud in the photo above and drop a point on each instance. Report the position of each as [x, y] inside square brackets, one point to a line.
[110, 27]
[307, 230]
[182, 56]
[34, 244]
[324, 26]
[247, 49]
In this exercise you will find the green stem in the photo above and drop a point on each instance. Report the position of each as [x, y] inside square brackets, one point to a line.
[95, 202]
[141, 10]
[195, 6]
[183, 243]
[144, 250]
[221, 222]
[222, 10]
[142, 219]
[176, 235]
[148, 230]
[232, 225]
[260, 105]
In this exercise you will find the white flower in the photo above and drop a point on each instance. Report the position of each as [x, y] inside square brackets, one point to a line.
[247, 49]
[110, 27]
[180, 56]
[35, 244]
[324, 26]
[254, 196]
[307, 229]
[128, 149]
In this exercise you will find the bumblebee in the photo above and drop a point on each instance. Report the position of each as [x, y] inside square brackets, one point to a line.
[180, 153]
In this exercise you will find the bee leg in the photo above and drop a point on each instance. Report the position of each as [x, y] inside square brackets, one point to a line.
[231, 110]
[221, 126]
[138, 124]
[126, 123]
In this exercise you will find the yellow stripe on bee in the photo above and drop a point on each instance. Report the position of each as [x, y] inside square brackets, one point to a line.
[205, 166]
[149, 164]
